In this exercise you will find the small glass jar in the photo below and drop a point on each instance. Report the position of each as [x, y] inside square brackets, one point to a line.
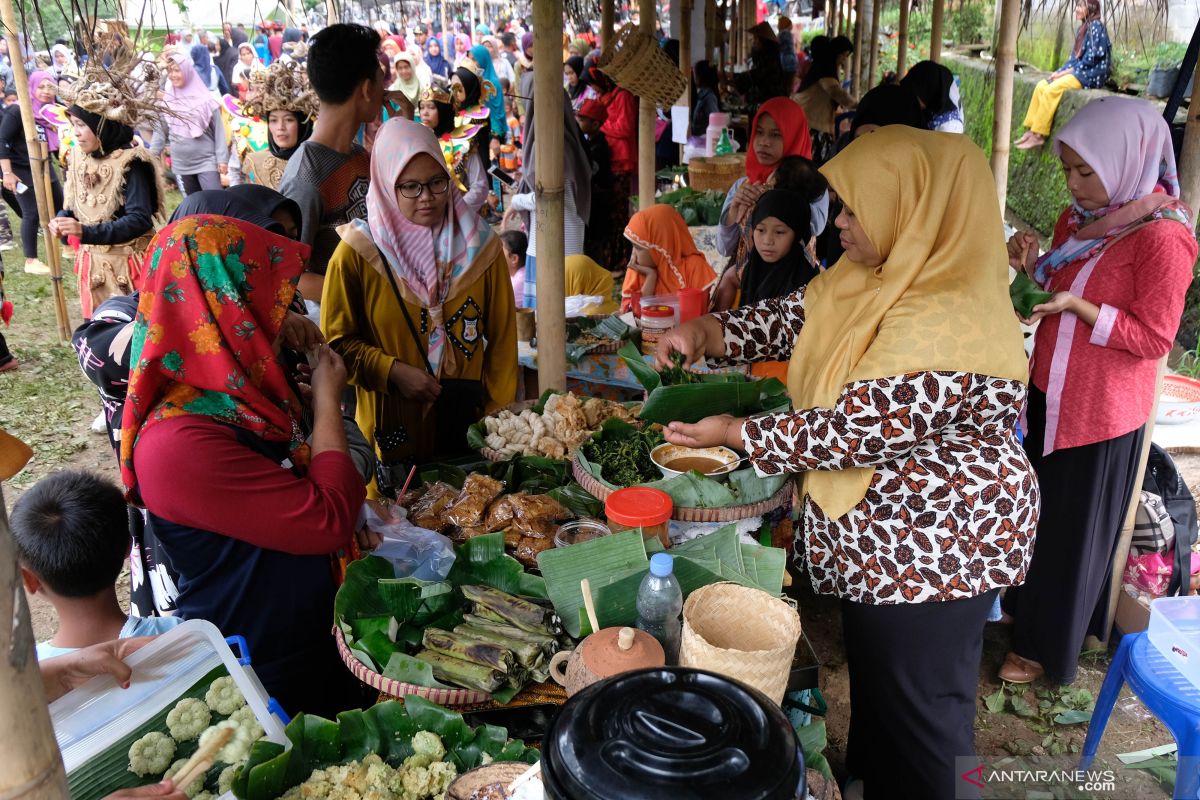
[643, 509]
[654, 322]
[579, 530]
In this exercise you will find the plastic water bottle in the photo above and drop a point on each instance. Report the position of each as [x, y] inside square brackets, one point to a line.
[659, 603]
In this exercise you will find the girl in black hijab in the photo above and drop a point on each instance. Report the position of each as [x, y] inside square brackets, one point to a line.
[778, 264]
[934, 87]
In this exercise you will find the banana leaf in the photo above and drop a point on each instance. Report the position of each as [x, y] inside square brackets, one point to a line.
[750, 487]
[358, 595]
[481, 560]
[511, 609]
[386, 729]
[1025, 294]
[415, 601]
[461, 644]
[693, 490]
[645, 374]
[577, 500]
[602, 561]
[408, 669]
[549, 644]
[378, 646]
[694, 401]
[477, 435]
[526, 653]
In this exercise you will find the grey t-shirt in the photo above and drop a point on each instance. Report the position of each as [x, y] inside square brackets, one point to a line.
[331, 189]
[194, 156]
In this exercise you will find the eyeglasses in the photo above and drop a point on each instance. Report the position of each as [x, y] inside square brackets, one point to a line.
[414, 189]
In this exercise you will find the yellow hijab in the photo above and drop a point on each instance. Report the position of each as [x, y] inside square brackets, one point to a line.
[939, 301]
[585, 277]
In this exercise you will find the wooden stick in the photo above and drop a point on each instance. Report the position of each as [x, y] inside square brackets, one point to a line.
[551, 248]
[585, 586]
[1189, 156]
[935, 30]
[1006, 57]
[646, 118]
[201, 760]
[37, 164]
[31, 767]
[872, 71]
[902, 39]
[685, 61]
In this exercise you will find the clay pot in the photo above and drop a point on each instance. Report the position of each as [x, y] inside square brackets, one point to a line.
[605, 653]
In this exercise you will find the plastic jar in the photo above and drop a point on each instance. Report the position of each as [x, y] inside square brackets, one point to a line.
[579, 530]
[643, 509]
[654, 322]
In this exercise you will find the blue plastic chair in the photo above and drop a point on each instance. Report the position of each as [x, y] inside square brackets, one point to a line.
[1166, 692]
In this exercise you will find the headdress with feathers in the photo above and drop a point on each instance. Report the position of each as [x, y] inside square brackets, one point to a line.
[283, 86]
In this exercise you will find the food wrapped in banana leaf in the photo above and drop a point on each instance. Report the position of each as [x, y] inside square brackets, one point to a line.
[513, 610]
[463, 673]
[526, 654]
[469, 648]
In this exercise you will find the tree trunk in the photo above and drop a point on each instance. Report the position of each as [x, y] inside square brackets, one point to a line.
[31, 767]
[548, 100]
[935, 30]
[872, 73]
[1006, 58]
[1060, 35]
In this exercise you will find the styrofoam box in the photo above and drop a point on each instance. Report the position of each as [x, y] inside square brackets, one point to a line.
[91, 718]
[1175, 631]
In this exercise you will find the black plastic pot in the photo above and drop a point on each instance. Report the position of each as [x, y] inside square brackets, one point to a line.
[671, 733]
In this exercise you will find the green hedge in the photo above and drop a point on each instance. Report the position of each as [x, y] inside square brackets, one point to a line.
[1037, 193]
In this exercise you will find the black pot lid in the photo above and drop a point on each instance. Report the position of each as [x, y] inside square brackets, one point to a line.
[674, 733]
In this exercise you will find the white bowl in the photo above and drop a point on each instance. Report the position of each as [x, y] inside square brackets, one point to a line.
[1179, 401]
[666, 453]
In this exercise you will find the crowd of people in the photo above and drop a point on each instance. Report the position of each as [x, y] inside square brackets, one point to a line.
[347, 308]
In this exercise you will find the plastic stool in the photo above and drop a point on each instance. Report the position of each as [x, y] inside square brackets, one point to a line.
[1166, 693]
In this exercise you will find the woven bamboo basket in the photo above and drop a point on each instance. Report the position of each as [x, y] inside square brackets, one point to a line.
[636, 62]
[743, 633]
[716, 172]
[686, 514]
[400, 689]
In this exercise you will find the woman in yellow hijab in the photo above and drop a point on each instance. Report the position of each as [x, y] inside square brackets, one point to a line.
[907, 377]
[584, 277]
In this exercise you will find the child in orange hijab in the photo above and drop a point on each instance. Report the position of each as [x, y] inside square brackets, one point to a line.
[665, 258]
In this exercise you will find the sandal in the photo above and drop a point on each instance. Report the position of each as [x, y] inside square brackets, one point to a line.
[1020, 670]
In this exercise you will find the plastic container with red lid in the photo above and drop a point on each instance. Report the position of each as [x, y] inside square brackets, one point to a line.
[654, 322]
[642, 509]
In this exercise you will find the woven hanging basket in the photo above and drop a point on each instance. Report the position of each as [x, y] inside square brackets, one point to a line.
[743, 633]
[635, 62]
[776, 501]
[715, 172]
[400, 689]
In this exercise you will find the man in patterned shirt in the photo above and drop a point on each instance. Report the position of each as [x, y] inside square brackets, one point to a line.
[329, 174]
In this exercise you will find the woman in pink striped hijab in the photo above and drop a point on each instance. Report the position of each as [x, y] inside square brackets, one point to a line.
[419, 304]
[1118, 272]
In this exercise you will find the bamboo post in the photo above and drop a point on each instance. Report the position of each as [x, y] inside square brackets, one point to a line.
[935, 30]
[844, 24]
[1006, 57]
[442, 37]
[722, 34]
[873, 71]
[551, 246]
[608, 19]
[1189, 156]
[833, 7]
[685, 58]
[646, 118]
[902, 39]
[31, 767]
[39, 166]
[856, 64]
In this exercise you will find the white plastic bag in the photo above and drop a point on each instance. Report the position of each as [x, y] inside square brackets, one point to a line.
[414, 552]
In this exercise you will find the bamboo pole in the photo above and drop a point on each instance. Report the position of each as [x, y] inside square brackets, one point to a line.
[1189, 156]
[1006, 57]
[844, 24]
[31, 767]
[902, 39]
[935, 30]
[832, 8]
[608, 21]
[646, 118]
[39, 166]
[551, 247]
[685, 60]
[442, 36]
[873, 71]
[722, 34]
[856, 64]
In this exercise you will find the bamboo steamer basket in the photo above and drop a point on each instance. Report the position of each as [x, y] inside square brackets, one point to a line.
[636, 63]
[400, 689]
[781, 498]
[742, 633]
[716, 172]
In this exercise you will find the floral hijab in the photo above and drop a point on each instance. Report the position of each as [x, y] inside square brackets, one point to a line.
[216, 293]
[429, 261]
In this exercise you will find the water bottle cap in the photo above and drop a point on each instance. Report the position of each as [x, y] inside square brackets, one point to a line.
[661, 565]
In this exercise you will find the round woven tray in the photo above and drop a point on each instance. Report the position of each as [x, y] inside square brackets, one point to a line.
[516, 408]
[399, 689]
[685, 514]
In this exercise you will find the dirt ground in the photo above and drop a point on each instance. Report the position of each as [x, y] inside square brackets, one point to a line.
[49, 404]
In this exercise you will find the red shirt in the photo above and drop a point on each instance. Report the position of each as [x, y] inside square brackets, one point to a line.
[1139, 283]
[621, 129]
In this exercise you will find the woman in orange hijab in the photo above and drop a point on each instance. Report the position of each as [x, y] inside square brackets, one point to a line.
[665, 258]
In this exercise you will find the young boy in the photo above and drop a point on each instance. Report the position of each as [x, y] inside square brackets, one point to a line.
[329, 174]
[72, 537]
[514, 244]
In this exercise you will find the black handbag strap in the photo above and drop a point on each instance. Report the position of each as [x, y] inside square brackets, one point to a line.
[412, 328]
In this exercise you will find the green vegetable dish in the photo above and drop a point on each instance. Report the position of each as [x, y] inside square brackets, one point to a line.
[622, 453]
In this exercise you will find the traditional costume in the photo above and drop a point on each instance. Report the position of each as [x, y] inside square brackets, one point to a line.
[281, 87]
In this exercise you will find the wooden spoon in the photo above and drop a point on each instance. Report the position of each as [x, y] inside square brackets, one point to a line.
[585, 586]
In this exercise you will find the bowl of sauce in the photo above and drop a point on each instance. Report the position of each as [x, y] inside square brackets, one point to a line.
[711, 462]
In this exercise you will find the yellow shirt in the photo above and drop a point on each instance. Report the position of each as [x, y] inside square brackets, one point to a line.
[362, 321]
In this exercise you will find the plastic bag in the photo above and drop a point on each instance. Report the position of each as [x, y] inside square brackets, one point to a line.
[413, 552]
